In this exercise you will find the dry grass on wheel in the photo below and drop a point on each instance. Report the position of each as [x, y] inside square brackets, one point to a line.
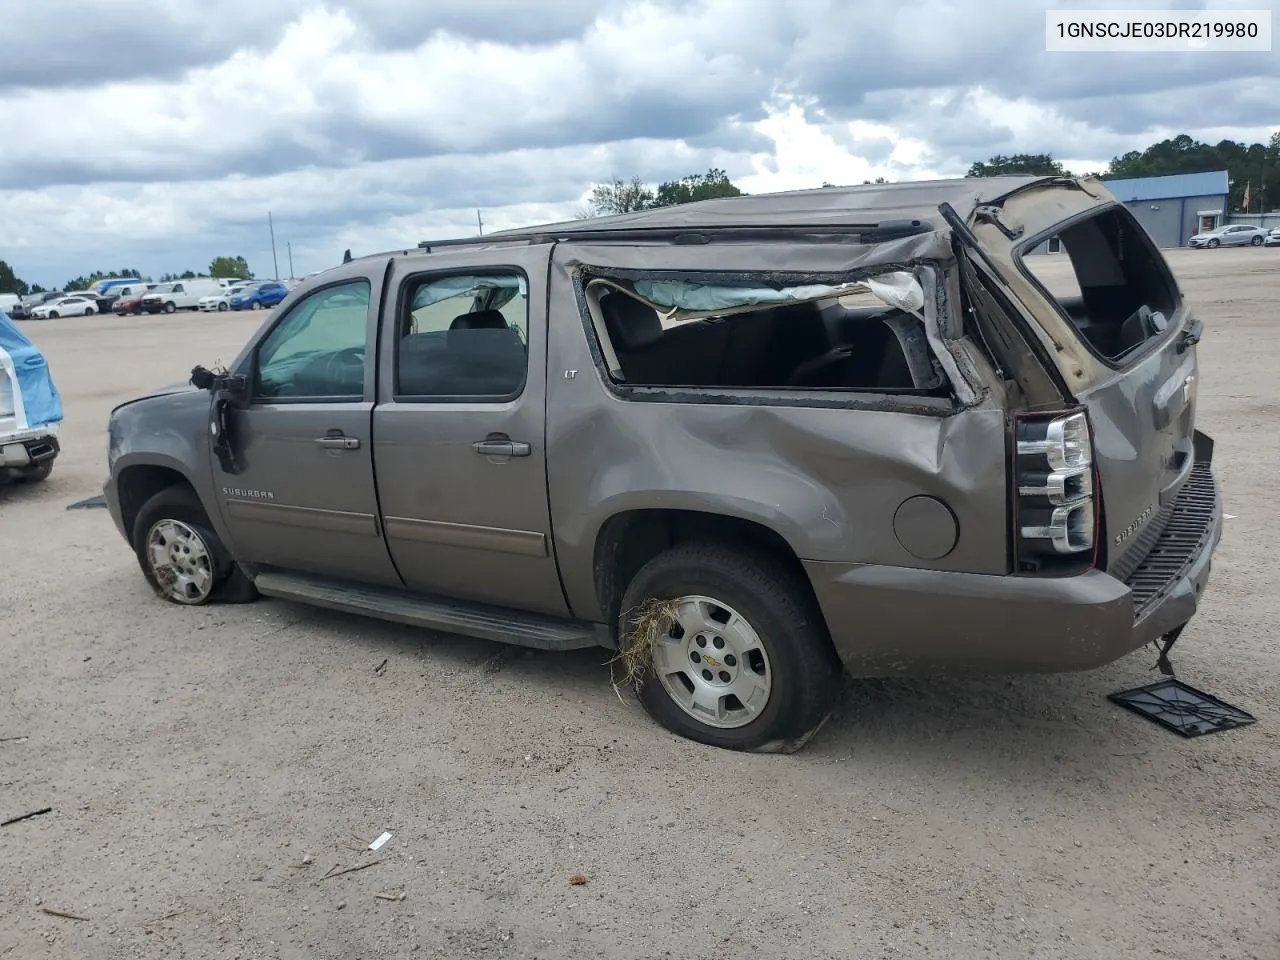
[646, 624]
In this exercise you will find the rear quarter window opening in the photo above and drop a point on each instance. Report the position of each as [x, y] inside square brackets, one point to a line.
[1111, 284]
[850, 343]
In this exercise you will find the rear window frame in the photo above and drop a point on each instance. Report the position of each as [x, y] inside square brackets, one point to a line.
[1149, 346]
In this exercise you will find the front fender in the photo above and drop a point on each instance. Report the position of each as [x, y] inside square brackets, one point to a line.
[164, 432]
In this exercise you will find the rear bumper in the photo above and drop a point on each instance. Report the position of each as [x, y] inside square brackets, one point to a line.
[28, 448]
[895, 620]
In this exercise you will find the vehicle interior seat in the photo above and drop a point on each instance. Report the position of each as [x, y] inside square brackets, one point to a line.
[479, 355]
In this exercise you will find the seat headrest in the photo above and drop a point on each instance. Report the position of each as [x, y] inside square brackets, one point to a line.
[632, 325]
[480, 320]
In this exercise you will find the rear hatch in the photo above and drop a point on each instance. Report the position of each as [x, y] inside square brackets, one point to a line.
[1111, 316]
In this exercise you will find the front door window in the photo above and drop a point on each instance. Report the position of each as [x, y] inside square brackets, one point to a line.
[318, 351]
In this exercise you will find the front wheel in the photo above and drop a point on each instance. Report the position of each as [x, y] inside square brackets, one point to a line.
[222, 307]
[726, 646]
[180, 554]
[1212, 243]
[170, 308]
[53, 314]
[256, 305]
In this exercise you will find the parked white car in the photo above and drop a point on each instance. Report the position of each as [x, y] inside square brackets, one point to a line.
[1273, 238]
[1231, 235]
[66, 307]
[220, 302]
[180, 295]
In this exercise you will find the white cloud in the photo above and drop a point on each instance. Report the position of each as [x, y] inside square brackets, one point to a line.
[375, 123]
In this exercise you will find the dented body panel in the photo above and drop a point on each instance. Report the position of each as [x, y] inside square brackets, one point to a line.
[900, 506]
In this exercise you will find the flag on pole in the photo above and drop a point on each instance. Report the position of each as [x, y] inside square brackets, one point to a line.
[1246, 196]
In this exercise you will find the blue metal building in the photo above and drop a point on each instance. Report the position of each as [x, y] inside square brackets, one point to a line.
[1171, 208]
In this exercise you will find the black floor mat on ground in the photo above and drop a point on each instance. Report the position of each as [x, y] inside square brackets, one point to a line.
[1182, 708]
[98, 501]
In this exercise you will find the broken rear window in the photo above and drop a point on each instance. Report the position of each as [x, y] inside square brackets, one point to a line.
[857, 336]
[1111, 284]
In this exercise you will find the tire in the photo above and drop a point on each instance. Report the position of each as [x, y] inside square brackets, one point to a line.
[780, 637]
[256, 305]
[1255, 242]
[205, 572]
[170, 307]
[36, 474]
[222, 307]
[53, 314]
[1212, 243]
[89, 311]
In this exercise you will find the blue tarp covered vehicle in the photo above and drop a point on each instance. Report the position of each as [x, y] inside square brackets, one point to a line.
[30, 407]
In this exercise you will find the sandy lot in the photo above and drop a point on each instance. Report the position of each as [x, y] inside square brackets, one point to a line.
[207, 767]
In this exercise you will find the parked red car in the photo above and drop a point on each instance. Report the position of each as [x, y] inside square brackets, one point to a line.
[127, 305]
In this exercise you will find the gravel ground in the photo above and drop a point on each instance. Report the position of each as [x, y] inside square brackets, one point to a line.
[206, 767]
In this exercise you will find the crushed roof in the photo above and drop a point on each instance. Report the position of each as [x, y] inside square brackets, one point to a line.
[821, 206]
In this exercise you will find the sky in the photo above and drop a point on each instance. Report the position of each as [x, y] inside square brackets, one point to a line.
[158, 134]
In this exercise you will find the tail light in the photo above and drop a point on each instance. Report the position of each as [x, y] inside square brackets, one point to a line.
[1056, 510]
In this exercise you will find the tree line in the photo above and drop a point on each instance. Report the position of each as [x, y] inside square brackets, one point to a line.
[1254, 167]
[228, 267]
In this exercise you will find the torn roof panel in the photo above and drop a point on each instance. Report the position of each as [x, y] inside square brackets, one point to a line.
[823, 206]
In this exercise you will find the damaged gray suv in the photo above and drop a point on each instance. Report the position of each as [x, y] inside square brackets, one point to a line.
[751, 444]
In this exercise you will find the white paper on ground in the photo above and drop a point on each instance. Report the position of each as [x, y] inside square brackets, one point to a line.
[380, 841]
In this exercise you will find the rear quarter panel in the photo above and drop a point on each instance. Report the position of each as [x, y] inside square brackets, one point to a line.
[827, 480]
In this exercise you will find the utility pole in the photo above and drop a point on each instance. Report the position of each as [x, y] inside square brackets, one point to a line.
[479, 223]
[289, 244]
[275, 263]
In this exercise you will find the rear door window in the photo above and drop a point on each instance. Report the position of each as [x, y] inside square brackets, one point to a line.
[1112, 285]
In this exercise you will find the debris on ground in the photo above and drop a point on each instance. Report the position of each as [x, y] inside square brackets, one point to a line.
[381, 668]
[26, 816]
[14, 739]
[62, 913]
[652, 620]
[377, 844]
[390, 896]
[578, 880]
[360, 866]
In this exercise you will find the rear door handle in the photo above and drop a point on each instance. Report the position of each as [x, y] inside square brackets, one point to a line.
[501, 448]
[339, 443]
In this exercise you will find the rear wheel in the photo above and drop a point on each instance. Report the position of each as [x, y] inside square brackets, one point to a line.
[1256, 242]
[181, 555]
[35, 473]
[728, 648]
[89, 311]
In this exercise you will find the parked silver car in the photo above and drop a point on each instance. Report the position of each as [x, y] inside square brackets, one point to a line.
[1273, 238]
[1231, 235]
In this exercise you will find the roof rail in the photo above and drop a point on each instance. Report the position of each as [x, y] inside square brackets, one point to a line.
[878, 232]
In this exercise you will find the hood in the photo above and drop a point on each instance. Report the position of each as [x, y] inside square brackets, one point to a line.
[184, 386]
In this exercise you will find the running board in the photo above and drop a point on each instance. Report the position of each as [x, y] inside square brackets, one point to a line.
[478, 620]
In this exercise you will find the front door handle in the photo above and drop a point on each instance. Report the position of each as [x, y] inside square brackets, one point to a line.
[339, 443]
[501, 448]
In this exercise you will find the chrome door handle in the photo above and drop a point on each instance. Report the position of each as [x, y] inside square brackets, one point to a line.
[339, 443]
[501, 448]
